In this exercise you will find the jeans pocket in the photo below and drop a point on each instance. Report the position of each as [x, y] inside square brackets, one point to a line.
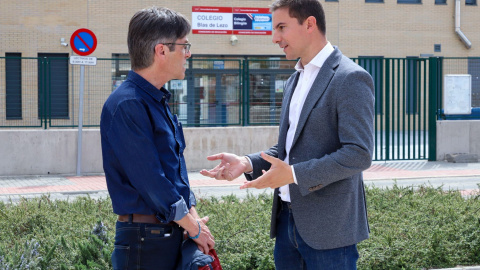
[120, 257]
[159, 233]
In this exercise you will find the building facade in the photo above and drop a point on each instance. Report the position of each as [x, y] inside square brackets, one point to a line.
[237, 78]
[388, 28]
[234, 78]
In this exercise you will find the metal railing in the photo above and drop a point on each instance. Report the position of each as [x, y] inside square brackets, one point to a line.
[401, 107]
[264, 83]
[43, 93]
[210, 94]
[456, 65]
[19, 95]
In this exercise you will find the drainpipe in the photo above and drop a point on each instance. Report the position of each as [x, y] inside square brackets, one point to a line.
[459, 32]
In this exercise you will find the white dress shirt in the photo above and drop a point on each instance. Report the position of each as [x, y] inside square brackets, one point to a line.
[308, 74]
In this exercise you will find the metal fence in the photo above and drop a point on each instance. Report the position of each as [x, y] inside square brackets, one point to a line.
[401, 107]
[264, 81]
[43, 93]
[471, 66]
[19, 95]
[210, 95]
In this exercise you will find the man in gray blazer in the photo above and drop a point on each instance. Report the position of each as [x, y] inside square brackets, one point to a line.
[325, 142]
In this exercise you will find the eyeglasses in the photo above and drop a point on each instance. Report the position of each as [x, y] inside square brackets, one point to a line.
[186, 46]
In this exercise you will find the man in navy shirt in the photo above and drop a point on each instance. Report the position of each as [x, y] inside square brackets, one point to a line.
[142, 146]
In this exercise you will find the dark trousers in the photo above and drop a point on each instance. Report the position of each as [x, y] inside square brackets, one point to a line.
[291, 252]
[146, 246]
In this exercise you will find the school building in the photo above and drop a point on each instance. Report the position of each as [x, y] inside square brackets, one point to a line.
[236, 74]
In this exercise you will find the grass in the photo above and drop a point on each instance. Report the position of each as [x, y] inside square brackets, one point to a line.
[411, 228]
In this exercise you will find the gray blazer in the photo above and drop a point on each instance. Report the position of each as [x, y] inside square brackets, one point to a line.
[332, 145]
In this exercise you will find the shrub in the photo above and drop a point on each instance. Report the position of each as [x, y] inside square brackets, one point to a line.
[411, 228]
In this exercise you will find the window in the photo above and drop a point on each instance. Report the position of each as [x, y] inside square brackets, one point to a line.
[471, 2]
[120, 68]
[373, 1]
[13, 83]
[53, 85]
[440, 2]
[409, 1]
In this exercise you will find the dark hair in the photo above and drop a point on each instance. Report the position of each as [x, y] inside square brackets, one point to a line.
[302, 9]
[151, 26]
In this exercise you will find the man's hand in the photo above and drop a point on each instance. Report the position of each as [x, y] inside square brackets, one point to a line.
[205, 241]
[231, 166]
[280, 174]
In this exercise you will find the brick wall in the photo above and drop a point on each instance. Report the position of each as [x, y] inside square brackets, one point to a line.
[381, 29]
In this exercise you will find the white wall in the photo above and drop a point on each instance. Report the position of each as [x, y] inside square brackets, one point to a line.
[54, 151]
[40, 152]
[458, 136]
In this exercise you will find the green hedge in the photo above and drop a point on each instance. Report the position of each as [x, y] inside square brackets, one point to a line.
[411, 228]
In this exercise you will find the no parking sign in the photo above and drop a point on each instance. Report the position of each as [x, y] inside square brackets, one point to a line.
[83, 42]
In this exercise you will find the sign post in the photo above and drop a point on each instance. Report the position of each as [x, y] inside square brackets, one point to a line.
[83, 42]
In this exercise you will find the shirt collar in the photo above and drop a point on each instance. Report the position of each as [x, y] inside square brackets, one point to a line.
[148, 87]
[319, 59]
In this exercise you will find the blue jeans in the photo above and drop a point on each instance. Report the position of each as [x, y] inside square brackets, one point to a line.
[291, 252]
[146, 246]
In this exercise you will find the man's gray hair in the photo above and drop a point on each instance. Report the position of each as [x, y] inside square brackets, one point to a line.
[149, 27]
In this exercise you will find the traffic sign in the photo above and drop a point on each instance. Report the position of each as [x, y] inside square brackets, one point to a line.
[83, 60]
[83, 42]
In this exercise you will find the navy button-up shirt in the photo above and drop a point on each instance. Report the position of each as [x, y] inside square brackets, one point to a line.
[142, 147]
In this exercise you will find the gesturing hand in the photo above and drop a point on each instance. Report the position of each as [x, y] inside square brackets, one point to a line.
[278, 175]
[231, 166]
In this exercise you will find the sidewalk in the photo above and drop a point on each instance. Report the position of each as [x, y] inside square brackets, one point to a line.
[465, 176]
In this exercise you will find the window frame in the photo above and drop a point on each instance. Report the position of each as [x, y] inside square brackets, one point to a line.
[470, 2]
[409, 1]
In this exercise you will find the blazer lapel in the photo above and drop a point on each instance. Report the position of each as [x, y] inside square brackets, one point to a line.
[282, 136]
[318, 88]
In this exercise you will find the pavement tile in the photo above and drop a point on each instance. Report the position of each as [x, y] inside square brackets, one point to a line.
[17, 185]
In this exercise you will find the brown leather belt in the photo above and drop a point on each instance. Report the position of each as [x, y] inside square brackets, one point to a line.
[139, 218]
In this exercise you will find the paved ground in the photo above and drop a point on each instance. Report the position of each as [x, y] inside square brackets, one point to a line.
[458, 176]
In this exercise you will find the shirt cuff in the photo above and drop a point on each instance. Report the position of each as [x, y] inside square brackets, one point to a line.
[193, 200]
[294, 176]
[180, 208]
[251, 165]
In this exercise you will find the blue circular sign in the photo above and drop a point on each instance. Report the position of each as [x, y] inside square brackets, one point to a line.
[83, 42]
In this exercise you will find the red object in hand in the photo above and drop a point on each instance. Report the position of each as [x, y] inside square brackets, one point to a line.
[215, 264]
